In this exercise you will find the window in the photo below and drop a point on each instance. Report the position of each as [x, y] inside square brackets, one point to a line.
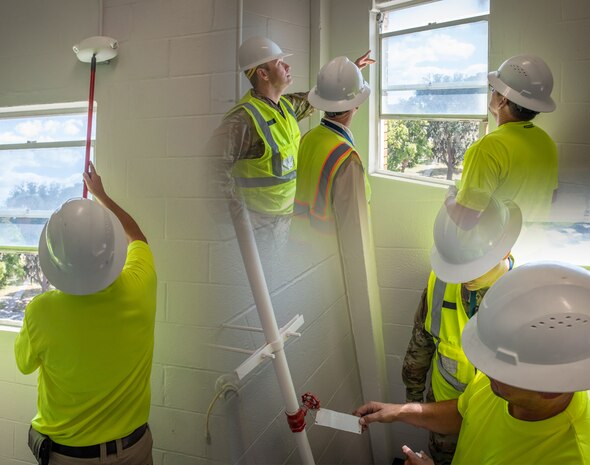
[42, 150]
[434, 91]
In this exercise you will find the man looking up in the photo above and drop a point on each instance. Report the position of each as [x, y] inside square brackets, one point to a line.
[91, 338]
[258, 139]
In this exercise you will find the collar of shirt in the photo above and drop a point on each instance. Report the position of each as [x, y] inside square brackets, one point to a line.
[472, 299]
[339, 128]
[265, 99]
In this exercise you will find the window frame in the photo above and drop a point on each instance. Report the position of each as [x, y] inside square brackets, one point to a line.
[483, 122]
[34, 111]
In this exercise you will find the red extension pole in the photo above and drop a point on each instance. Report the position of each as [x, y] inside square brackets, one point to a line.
[89, 126]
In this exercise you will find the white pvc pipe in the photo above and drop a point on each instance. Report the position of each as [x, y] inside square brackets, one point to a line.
[253, 266]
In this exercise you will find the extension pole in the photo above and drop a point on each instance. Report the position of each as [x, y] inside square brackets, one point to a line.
[89, 124]
[253, 266]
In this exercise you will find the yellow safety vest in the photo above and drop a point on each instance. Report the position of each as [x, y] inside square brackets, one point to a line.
[267, 183]
[446, 318]
[321, 154]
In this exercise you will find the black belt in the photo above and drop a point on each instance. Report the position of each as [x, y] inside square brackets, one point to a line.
[89, 452]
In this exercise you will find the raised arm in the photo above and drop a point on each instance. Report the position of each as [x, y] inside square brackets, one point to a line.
[95, 187]
[464, 217]
[364, 60]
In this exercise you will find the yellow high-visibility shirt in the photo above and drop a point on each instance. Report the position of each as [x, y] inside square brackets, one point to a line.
[517, 161]
[94, 354]
[491, 436]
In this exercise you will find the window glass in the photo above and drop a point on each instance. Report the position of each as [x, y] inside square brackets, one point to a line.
[20, 280]
[554, 240]
[433, 86]
[428, 13]
[427, 148]
[436, 72]
[42, 151]
[46, 128]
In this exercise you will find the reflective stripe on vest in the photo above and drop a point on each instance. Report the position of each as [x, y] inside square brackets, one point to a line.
[266, 182]
[322, 153]
[438, 296]
[438, 303]
[321, 198]
[291, 111]
[449, 378]
[276, 161]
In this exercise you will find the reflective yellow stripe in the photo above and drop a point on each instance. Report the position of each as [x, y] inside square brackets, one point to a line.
[325, 180]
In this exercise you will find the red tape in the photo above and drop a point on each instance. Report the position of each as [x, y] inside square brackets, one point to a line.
[297, 420]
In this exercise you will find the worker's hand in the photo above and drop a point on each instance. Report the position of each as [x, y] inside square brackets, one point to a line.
[376, 411]
[414, 458]
[451, 193]
[94, 183]
[364, 60]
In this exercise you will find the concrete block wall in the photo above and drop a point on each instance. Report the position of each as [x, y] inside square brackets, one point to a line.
[18, 401]
[157, 104]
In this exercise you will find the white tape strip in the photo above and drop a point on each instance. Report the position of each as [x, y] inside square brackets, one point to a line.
[337, 420]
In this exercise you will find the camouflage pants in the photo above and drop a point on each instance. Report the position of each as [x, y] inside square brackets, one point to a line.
[441, 446]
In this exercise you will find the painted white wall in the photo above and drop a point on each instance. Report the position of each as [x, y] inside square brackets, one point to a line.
[158, 102]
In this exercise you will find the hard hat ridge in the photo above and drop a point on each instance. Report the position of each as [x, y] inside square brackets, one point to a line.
[525, 80]
[258, 50]
[340, 86]
[82, 248]
[532, 328]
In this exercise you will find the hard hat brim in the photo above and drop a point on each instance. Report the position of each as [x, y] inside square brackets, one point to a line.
[276, 56]
[83, 284]
[564, 377]
[533, 104]
[338, 105]
[457, 273]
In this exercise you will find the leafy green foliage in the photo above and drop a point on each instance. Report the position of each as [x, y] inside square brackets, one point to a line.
[406, 143]
[450, 140]
[11, 267]
[429, 141]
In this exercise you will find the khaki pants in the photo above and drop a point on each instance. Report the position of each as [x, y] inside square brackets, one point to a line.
[139, 453]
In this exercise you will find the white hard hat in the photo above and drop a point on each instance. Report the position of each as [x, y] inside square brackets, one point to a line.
[525, 80]
[258, 50]
[340, 86]
[532, 330]
[460, 256]
[82, 248]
